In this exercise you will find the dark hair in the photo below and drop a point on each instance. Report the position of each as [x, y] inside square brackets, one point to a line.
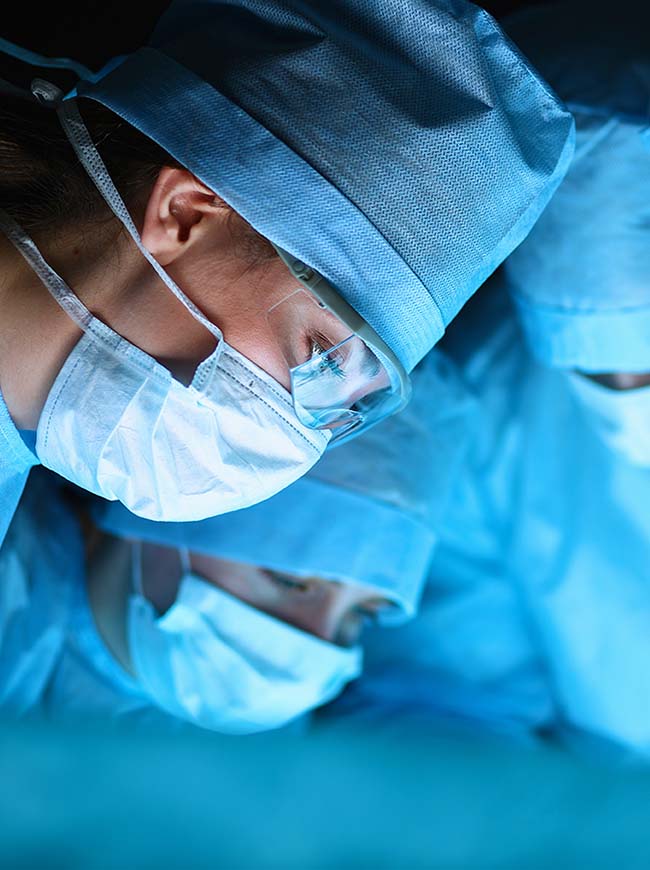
[42, 184]
[45, 189]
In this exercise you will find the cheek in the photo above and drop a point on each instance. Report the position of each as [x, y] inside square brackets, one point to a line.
[239, 309]
[226, 575]
[257, 342]
[313, 612]
[239, 579]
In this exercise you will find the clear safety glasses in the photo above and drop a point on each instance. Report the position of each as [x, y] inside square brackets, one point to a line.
[343, 376]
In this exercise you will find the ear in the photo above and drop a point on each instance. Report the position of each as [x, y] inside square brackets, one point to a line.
[178, 212]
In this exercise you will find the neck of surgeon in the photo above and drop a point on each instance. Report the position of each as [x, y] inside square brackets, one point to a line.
[115, 283]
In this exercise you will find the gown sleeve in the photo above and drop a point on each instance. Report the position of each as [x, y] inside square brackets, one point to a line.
[16, 460]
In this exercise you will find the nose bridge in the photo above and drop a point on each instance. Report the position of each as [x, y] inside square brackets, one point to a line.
[321, 617]
[337, 606]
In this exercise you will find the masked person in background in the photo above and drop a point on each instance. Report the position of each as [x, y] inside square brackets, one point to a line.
[238, 623]
[309, 191]
[581, 280]
[534, 618]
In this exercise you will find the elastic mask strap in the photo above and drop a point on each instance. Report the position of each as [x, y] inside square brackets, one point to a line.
[136, 567]
[184, 556]
[80, 139]
[74, 307]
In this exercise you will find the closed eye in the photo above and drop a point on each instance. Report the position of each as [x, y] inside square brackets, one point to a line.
[284, 581]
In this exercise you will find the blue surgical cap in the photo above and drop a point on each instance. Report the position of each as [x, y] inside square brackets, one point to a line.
[366, 513]
[402, 148]
[581, 280]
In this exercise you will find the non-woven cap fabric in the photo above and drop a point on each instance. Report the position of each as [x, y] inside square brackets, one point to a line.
[401, 148]
[581, 279]
[366, 513]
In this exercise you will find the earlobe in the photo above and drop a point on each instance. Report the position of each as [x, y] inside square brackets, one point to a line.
[177, 207]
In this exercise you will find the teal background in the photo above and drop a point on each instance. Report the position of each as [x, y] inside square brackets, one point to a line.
[406, 797]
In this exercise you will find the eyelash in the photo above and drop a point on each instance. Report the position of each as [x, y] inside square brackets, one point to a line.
[286, 582]
[317, 346]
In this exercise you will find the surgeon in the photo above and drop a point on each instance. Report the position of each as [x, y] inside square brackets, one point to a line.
[581, 280]
[533, 621]
[228, 249]
[242, 622]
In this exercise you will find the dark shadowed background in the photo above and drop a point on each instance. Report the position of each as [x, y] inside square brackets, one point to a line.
[93, 31]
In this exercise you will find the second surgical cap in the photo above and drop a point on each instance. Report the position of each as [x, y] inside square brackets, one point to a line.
[367, 513]
[581, 280]
[402, 148]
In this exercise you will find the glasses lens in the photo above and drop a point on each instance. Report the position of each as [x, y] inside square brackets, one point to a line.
[337, 381]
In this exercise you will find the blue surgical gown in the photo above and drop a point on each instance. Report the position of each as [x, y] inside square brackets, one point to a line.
[16, 459]
[536, 613]
[53, 661]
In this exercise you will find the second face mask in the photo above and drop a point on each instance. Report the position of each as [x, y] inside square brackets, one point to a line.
[620, 418]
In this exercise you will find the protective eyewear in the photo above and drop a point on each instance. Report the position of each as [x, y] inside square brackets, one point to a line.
[345, 385]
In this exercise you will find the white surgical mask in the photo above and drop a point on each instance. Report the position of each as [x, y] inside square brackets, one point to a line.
[219, 663]
[621, 418]
[119, 425]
